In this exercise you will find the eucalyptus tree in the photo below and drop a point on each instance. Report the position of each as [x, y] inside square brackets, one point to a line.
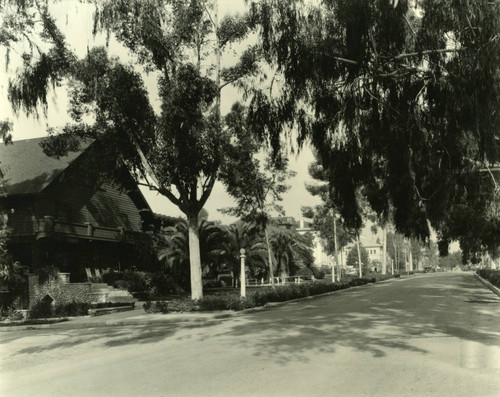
[399, 97]
[177, 151]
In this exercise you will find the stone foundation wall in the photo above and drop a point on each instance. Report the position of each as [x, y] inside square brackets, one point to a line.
[59, 290]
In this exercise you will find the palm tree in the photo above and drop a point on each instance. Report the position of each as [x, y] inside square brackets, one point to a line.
[292, 251]
[175, 254]
[245, 235]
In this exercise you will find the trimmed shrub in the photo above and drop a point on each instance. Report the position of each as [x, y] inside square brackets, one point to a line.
[130, 281]
[318, 273]
[174, 305]
[13, 315]
[41, 309]
[143, 285]
[103, 305]
[156, 307]
[44, 309]
[112, 277]
[183, 305]
[163, 284]
[305, 272]
[72, 309]
[257, 297]
[220, 302]
[493, 276]
[212, 284]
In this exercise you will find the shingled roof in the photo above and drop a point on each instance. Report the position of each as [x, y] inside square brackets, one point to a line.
[25, 169]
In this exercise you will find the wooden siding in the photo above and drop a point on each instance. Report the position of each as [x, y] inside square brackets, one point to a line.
[75, 198]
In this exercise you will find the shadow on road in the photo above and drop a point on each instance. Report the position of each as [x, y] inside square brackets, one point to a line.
[376, 319]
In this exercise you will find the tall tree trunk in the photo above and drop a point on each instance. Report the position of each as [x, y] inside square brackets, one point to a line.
[384, 258]
[410, 256]
[359, 256]
[270, 256]
[395, 252]
[194, 257]
[217, 57]
[407, 268]
[336, 250]
[341, 259]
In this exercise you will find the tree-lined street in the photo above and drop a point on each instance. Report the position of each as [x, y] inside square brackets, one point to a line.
[428, 335]
[394, 102]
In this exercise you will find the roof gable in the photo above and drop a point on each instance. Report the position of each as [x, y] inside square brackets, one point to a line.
[25, 169]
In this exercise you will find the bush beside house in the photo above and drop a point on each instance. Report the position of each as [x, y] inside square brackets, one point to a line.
[144, 285]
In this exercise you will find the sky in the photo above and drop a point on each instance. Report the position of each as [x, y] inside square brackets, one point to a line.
[75, 19]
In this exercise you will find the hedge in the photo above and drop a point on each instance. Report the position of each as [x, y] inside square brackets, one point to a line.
[493, 276]
[255, 298]
[43, 309]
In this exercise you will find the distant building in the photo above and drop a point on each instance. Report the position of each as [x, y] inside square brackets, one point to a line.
[375, 250]
[285, 222]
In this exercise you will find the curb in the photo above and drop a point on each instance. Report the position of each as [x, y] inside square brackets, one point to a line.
[488, 284]
[218, 315]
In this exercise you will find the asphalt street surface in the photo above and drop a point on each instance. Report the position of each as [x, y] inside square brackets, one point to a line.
[428, 335]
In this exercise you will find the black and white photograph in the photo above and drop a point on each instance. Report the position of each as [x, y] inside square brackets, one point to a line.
[250, 198]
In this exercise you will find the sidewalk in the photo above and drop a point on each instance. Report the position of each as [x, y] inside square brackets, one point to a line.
[139, 317]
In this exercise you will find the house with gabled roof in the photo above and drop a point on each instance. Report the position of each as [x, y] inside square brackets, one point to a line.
[61, 212]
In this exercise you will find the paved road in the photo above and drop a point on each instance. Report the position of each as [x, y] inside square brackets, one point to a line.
[431, 335]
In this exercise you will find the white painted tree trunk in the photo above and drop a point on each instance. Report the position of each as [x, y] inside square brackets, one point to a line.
[336, 249]
[384, 257]
[407, 266]
[494, 263]
[195, 258]
[270, 257]
[410, 256]
[359, 256]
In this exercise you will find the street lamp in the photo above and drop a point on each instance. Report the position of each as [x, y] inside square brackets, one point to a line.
[242, 273]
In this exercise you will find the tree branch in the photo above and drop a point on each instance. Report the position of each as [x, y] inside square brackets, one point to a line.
[210, 16]
[428, 52]
[492, 176]
[168, 194]
[206, 193]
[405, 55]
